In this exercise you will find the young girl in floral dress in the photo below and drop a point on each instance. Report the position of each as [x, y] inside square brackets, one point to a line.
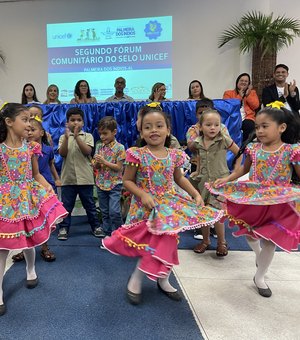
[266, 208]
[157, 212]
[29, 208]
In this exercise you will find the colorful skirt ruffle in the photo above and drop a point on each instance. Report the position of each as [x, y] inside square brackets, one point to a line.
[271, 213]
[158, 253]
[277, 223]
[31, 232]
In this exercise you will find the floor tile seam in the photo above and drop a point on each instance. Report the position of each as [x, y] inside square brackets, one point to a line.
[196, 317]
[179, 276]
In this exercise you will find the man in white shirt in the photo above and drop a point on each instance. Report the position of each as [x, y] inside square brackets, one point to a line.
[287, 93]
[120, 96]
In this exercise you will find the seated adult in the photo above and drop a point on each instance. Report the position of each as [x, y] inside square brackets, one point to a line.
[287, 93]
[52, 95]
[29, 94]
[158, 93]
[195, 90]
[82, 93]
[120, 96]
[249, 102]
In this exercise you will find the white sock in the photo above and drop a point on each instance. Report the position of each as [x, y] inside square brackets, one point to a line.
[3, 257]
[255, 246]
[135, 281]
[263, 262]
[165, 285]
[29, 255]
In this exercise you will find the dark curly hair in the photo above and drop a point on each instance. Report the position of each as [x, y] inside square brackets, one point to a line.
[291, 135]
[10, 110]
[147, 110]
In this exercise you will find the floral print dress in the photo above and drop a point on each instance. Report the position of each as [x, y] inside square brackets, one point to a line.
[267, 206]
[152, 235]
[28, 213]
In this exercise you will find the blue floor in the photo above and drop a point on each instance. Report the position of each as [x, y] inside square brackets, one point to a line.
[82, 296]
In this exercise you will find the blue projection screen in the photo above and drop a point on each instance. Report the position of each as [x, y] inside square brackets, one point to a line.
[140, 50]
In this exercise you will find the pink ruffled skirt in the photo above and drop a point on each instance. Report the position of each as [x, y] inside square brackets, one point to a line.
[158, 253]
[31, 232]
[279, 223]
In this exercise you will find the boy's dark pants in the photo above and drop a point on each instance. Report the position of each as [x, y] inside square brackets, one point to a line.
[68, 197]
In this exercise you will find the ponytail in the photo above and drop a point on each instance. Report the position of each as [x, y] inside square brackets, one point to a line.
[241, 151]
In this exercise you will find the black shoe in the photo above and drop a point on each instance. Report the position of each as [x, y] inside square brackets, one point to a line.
[265, 292]
[133, 298]
[30, 284]
[98, 232]
[2, 309]
[175, 296]
[213, 233]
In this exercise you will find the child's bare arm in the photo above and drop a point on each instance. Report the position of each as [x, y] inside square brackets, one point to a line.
[129, 183]
[187, 186]
[63, 149]
[37, 176]
[99, 159]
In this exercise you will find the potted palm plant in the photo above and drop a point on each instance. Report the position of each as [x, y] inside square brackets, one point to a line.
[264, 37]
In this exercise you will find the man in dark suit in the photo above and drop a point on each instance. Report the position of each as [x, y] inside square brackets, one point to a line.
[281, 90]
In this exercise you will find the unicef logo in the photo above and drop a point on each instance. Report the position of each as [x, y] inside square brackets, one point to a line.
[153, 30]
[62, 36]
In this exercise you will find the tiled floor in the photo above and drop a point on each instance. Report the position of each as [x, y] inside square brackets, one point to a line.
[225, 301]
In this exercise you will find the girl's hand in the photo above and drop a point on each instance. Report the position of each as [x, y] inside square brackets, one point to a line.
[58, 183]
[49, 189]
[194, 174]
[219, 182]
[148, 201]
[199, 200]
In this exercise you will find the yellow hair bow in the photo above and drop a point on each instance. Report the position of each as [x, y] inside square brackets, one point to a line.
[154, 104]
[38, 119]
[2, 106]
[276, 105]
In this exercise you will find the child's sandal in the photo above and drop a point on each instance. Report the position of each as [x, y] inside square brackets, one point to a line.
[201, 247]
[222, 249]
[18, 257]
[47, 255]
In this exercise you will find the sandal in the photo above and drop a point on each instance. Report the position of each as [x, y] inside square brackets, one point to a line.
[47, 255]
[222, 249]
[18, 257]
[201, 247]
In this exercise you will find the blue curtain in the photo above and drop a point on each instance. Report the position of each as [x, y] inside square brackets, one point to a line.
[182, 115]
